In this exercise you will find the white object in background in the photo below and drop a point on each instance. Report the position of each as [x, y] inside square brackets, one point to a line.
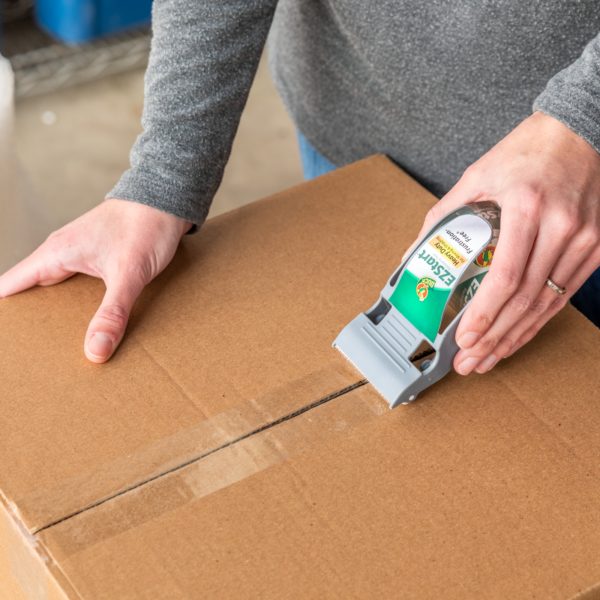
[48, 117]
[24, 223]
[7, 90]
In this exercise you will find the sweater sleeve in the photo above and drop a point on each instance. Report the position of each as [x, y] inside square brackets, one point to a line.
[573, 95]
[203, 58]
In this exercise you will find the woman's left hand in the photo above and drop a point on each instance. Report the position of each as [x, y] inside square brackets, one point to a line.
[546, 179]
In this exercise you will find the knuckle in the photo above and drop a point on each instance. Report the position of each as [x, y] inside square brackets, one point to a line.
[39, 275]
[58, 243]
[487, 344]
[114, 316]
[576, 223]
[539, 306]
[53, 264]
[505, 278]
[566, 226]
[520, 303]
[557, 304]
[532, 332]
[54, 240]
[588, 238]
[513, 349]
[482, 319]
[471, 173]
[505, 347]
[530, 202]
[53, 235]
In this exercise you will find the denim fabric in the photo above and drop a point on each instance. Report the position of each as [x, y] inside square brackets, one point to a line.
[313, 163]
[585, 300]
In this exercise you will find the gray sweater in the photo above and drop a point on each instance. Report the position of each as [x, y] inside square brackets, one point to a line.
[432, 84]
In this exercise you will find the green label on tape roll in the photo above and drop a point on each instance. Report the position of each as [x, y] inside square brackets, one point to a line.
[422, 301]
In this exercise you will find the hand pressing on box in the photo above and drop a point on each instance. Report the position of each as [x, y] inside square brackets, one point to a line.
[124, 243]
[546, 179]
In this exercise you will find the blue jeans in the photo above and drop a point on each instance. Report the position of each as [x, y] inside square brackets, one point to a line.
[586, 299]
[313, 163]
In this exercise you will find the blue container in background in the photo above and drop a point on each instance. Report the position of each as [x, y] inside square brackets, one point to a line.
[78, 21]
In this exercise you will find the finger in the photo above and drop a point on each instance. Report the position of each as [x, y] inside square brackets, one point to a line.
[552, 303]
[40, 268]
[107, 328]
[524, 339]
[556, 302]
[525, 303]
[518, 230]
[575, 257]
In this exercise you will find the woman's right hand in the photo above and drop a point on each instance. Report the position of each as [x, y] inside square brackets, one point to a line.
[126, 244]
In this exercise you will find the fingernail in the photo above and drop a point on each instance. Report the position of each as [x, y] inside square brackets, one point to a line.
[469, 339]
[467, 365]
[487, 364]
[100, 346]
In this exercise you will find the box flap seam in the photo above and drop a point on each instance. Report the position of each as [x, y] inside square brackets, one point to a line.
[253, 432]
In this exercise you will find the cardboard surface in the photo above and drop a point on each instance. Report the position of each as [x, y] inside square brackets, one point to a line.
[475, 491]
[228, 451]
[24, 572]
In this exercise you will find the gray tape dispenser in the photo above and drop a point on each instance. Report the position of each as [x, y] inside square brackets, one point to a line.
[406, 341]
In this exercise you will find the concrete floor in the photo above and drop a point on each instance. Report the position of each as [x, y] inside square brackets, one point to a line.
[74, 144]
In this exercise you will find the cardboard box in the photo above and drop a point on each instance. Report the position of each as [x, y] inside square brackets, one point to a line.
[228, 451]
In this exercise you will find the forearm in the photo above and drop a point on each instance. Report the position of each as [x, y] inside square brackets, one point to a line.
[203, 59]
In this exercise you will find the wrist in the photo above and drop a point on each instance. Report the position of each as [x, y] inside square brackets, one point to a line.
[556, 131]
[170, 220]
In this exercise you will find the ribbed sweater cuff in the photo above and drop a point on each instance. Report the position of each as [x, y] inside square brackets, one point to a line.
[144, 188]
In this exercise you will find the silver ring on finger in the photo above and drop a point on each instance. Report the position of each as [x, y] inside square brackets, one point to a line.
[555, 287]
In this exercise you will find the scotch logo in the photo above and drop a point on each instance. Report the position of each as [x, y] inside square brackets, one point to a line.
[423, 287]
[437, 268]
[486, 256]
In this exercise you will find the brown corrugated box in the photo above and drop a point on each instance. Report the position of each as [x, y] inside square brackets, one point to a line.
[228, 451]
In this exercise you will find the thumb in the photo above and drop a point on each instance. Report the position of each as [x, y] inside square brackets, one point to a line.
[107, 328]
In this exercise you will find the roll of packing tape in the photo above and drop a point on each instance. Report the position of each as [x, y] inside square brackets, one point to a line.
[473, 276]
